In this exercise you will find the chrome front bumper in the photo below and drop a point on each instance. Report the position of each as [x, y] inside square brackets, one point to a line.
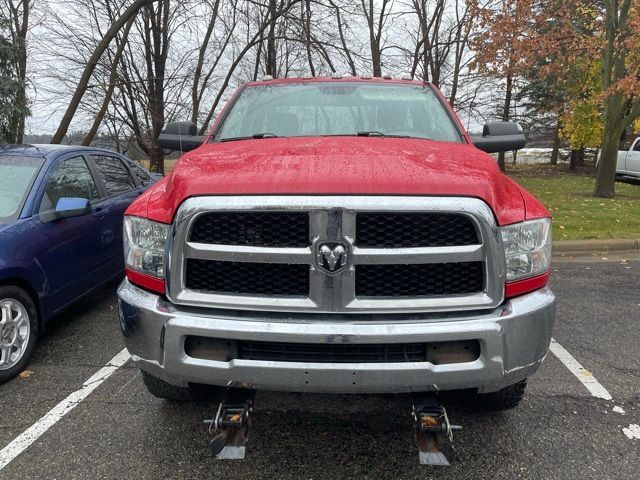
[514, 339]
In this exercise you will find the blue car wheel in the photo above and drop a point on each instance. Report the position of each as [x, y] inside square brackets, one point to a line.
[18, 331]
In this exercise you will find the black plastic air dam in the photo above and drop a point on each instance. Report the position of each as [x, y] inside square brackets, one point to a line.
[437, 353]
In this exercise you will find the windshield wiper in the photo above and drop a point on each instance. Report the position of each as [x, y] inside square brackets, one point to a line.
[375, 133]
[249, 137]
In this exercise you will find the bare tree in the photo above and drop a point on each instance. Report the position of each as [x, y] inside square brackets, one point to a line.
[266, 23]
[147, 91]
[113, 76]
[83, 82]
[18, 22]
[376, 21]
[341, 33]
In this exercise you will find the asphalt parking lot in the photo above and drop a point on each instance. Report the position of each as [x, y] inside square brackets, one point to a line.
[120, 431]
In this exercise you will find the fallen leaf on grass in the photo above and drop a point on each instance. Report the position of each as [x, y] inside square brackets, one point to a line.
[26, 373]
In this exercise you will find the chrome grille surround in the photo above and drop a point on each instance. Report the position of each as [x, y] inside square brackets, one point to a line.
[333, 219]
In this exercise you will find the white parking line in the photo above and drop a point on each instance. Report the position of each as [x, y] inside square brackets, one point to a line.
[26, 438]
[633, 432]
[584, 375]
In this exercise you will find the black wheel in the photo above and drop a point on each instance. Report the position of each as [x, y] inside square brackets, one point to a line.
[18, 331]
[505, 399]
[161, 389]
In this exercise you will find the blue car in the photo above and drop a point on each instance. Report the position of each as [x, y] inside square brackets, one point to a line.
[61, 214]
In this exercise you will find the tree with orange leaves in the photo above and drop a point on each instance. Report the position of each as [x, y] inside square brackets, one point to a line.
[560, 35]
[606, 32]
[620, 53]
[498, 39]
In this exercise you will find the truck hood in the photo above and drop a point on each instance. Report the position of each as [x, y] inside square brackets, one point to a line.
[335, 165]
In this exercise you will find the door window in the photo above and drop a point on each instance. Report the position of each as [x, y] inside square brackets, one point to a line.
[72, 178]
[636, 147]
[115, 175]
[143, 177]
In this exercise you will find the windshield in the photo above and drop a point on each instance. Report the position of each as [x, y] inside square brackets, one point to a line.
[16, 177]
[340, 108]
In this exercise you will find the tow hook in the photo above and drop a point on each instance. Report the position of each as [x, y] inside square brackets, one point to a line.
[231, 424]
[434, 432]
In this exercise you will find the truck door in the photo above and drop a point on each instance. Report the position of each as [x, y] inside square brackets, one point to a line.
[633, 159]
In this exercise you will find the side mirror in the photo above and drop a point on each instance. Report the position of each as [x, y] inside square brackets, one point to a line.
[180, 136]
[500, 137]
[66, 208]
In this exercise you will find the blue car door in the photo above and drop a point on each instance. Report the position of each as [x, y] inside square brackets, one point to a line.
[120, 191]
[71, 251]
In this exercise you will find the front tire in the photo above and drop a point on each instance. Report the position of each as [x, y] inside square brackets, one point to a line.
[161, 389]
[505, 399]
[18, 331]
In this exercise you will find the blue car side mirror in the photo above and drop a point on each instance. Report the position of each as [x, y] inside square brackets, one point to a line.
[67, 207]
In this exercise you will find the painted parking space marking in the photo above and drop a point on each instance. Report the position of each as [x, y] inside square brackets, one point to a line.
[585, 376]
[26, 438]
[632, 432]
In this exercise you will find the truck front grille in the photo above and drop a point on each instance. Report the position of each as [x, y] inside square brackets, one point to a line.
[403, 230]
[336, 254]
[419, 280]
[239, 278]
[263, 229]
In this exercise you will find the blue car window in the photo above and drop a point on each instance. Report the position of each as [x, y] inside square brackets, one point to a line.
[72, 178]
[16, 176]
[143, 177]
[115, 175]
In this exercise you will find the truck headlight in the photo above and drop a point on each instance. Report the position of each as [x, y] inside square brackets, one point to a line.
[145, 244]
[527, 248]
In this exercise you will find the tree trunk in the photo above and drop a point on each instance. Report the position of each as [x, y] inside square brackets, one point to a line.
[157, 47]
[619, 112]
[20, 26]
[343, 41]
[580, 159]
[197, 74]
[374, 38]
[306, 18]
[606, 176]
[156, 159]
[83, 83]
[573, 158]
[271, 63]
[555, 153]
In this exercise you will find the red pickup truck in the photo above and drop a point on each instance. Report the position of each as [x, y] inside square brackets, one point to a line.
[338, 235]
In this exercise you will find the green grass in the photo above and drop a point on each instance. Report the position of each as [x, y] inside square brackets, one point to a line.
[577, 214]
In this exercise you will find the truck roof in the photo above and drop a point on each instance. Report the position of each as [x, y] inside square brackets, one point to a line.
[336, 78]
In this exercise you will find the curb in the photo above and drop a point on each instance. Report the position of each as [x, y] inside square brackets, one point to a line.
[581, 247]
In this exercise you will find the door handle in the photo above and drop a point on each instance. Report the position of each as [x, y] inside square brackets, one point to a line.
[101, 212]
